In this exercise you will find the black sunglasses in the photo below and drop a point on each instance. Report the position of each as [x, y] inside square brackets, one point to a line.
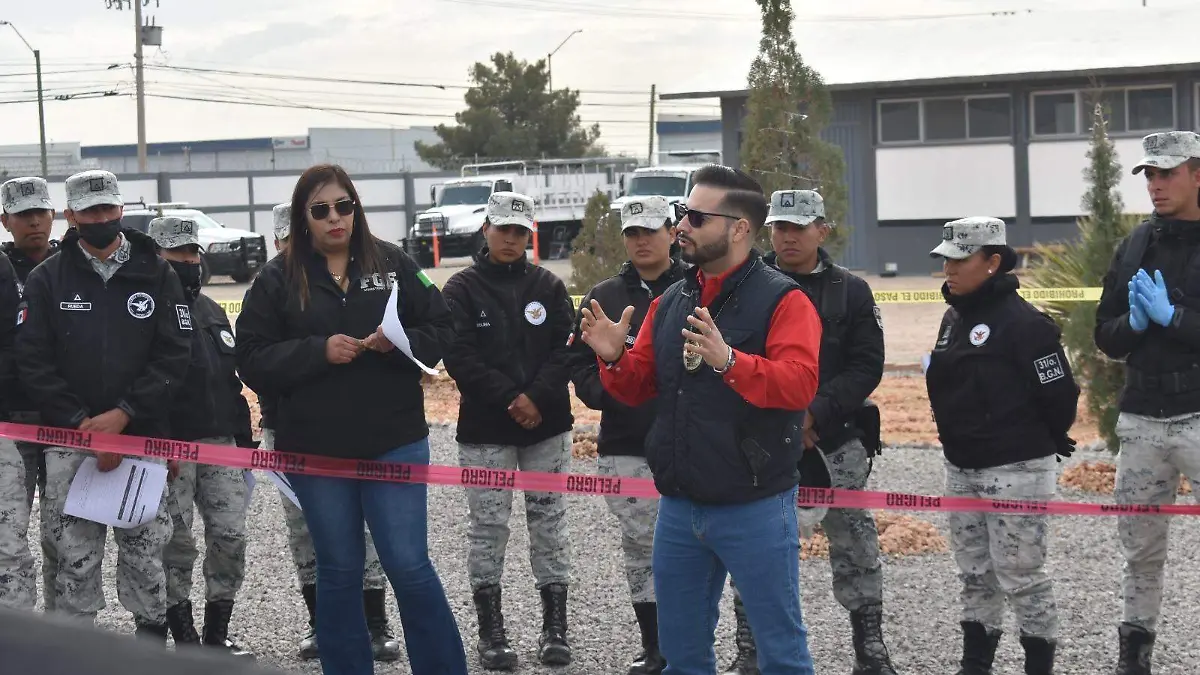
[320, 210]
[696, 218]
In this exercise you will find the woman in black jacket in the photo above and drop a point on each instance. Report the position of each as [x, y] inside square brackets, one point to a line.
[309, 336]
[1004, 400]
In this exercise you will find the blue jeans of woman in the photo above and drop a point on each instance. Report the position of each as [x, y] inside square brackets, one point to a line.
[334, 509]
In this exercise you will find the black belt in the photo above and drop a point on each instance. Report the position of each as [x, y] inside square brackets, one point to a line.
[1168, 383]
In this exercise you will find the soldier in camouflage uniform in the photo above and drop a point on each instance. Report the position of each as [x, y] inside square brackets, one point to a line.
[511, 365]
[106, 286]
[839, 425]
[1147, 317]
[28, 214]
[18, 586]
[648, 231]
[208, 408]
[1004, 400]
[383, 644]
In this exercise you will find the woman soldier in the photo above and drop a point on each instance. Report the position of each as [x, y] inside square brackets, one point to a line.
[1004, 400]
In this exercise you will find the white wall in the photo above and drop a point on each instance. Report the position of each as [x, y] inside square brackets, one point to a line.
[947, 181]
[387, 225]
[1057, 185]
[380, 192]
[238, 220]
[200, 192]
[274, 190]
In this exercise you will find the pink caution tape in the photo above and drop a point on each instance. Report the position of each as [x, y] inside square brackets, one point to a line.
[533, 481]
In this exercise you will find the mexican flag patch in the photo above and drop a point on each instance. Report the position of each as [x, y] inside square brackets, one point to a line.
[424, 279]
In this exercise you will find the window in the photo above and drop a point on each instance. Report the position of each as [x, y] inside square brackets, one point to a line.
[1054, 114]
[989, 117]
[1129, 110]
[899, 121]
[945, 119]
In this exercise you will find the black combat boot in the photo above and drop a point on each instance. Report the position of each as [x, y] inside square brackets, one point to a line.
[870, 653]
[216, 628]
[553, 649]
[182, 625]
[650, 661]
[384, 646]
[746, 661]
[153, 633]
[1137, 644]
[494, 650]
[308, 644]
[979, 649]
[1039, 655]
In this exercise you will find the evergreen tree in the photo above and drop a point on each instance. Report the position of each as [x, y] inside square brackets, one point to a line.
[787, 108]
[598, 251]
[511, 114]
[1083, 263]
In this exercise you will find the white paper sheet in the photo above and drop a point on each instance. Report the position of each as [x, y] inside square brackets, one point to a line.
[126, 497]
[250, 481]
[284, 485]
[925, 363]
[394, 331]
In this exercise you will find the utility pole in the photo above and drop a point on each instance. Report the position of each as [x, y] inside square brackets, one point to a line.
[550, 59]
[37, 59]
[650, 153]
[141, 86]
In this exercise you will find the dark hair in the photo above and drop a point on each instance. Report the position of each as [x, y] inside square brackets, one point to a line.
[300, 249]
[1008, 257]
[744, 195]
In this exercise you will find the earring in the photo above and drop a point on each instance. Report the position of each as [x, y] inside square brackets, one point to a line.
[991, 271]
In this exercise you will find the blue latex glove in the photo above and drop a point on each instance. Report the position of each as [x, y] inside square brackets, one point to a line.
[1153, 296]
[1137, 313]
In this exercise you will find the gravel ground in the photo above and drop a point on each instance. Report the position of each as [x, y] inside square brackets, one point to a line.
[921, 592]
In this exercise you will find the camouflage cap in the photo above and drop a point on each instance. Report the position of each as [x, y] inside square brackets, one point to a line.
[962, 238]
[282, 216]
[1168, 149]
[93, 188]
[801, 207]
[25, 194]
[650, 213]
[173, 232]
[510, 208]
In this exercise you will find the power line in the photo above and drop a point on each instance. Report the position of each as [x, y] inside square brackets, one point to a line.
[56, 72]
[608, 10]
[310, 78]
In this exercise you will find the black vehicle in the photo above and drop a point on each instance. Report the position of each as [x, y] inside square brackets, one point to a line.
[239, 254]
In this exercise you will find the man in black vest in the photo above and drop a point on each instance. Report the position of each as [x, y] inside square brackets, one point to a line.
[648, 229]
[732, 355]
[838, 425]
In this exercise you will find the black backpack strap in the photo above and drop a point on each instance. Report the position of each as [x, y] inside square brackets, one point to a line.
[833, 296]
[1139, 241]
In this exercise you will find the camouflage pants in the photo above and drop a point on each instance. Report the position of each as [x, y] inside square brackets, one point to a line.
[18, 581]
[220, 494]
[79, 587]
[853, 539]
[545, 513]
[34, 455]
[301, 545]
[1154, 452]
[1003, 555]
[636, 516]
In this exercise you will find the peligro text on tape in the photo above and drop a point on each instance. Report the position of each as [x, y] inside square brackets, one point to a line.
[234, 307]
[531, 481]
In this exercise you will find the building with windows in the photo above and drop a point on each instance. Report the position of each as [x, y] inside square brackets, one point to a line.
[687, 139]
[986, 115]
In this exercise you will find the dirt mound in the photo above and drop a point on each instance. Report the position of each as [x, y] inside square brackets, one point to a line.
[1101, 478]
[583, 445]
[899, 535]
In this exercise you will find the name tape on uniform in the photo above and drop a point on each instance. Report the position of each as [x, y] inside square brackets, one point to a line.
[504, 479]
[232, 307]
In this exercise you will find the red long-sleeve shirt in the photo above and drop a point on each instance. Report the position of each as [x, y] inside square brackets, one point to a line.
[785, 378]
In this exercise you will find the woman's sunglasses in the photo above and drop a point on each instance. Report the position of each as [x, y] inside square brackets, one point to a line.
[320, 210]
[694, 217]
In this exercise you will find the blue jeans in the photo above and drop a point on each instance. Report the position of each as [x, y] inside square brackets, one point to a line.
[334, 509]
[758, 543]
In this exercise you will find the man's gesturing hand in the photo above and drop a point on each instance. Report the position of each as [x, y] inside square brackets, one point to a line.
[598, 331]
[342, 349]
[708, 341]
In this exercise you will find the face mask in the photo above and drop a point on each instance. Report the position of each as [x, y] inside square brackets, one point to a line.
[189, 277]
[100, 235]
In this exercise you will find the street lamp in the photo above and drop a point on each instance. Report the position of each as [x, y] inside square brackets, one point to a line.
[550, 56]
[37, 58]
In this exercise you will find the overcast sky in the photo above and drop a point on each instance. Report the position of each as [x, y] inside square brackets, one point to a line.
[625, 46]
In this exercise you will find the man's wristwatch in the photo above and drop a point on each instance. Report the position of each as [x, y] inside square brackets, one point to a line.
[728, 363]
